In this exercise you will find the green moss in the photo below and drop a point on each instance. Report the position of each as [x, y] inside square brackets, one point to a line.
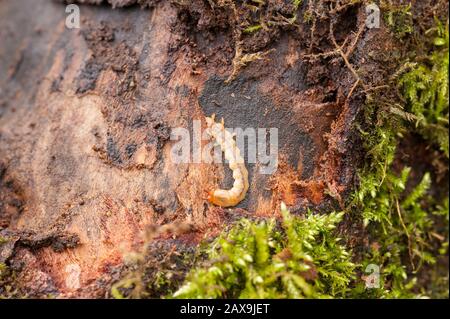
[425, 88]
[301, 258]
[398, 18]
[153, 272]
[442, 211]
[3, 269]
[405, 222]
[297, 3]
[252, 28]
[7, 283]
[400, 224]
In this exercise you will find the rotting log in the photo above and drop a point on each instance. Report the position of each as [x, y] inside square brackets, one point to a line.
[86, 115]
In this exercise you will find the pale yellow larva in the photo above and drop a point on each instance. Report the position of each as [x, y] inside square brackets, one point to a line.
[228, 197]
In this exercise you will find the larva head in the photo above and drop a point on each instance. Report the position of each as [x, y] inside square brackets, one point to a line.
[221, 198]
[216, 200]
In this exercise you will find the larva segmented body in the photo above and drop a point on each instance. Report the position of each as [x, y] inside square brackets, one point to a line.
[228, 197]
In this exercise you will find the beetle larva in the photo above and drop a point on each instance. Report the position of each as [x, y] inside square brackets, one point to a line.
[228, 197]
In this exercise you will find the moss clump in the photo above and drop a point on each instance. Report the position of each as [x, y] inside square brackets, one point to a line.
[401, 225]
[405, 222]
[302, 258]
[425, 88]
[153, 272]
[398, 18]
[7, 284]
[3, 270]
